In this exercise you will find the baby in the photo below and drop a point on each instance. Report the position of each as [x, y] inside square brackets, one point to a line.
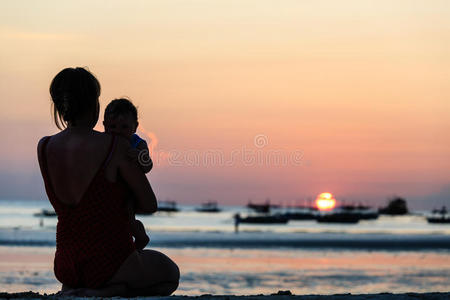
[121, 119]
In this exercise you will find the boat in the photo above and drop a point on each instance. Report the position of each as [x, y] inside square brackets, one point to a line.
[364, 212]
[339, 217]
[439, 220]
[261, 219]
[167, 206]
[348, 214]
[209, 207]
[396, 206]
[300, 213]
[46, 213]
[439, 216]
[262, 208]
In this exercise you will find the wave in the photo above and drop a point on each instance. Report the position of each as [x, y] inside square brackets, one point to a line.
[256, 240]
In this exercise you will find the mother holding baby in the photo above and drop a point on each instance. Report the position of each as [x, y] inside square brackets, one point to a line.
[87, 176]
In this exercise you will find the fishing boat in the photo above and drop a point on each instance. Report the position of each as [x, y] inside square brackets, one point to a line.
[396, 206]
[440, 220]
[364, 212]
[261, 219]
[209, 207]
[439, 216]
[167, 206]
[339, 217]
[350, 214]
[262, 207]
[300, 213]
[46, 213]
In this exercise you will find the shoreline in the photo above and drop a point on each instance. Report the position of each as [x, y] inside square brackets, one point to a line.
[281, 295]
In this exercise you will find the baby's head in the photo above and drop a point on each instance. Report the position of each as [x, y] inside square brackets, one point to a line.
[121, 118]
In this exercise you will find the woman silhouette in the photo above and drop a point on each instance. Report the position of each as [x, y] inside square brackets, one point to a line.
[87, 176]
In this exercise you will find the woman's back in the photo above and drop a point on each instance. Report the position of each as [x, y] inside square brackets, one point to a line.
[96, 223]
[73, 159]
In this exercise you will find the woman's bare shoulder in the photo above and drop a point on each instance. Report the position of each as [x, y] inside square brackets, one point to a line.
[53, 137]
[40, 145]
[41, 142]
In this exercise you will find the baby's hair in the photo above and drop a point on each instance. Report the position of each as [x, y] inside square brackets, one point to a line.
[121, 107]
[74, 91]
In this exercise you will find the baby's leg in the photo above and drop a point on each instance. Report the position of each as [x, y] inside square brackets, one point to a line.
[141, 238]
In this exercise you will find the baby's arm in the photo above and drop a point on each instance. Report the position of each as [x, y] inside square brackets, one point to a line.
[144, 160]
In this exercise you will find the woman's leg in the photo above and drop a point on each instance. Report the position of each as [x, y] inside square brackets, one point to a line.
[148, 273]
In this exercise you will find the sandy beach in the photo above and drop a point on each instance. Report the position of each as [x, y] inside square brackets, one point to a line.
[281, 295]
[257, 271]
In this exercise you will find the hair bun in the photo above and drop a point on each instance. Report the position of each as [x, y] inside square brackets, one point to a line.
[74, 91]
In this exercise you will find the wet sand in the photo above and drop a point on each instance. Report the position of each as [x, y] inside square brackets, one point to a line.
[281, 295]
[255, 271]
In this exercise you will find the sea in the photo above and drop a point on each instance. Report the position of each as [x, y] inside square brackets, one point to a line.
[394, 254]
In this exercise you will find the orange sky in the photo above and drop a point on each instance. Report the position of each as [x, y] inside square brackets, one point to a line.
[360, 88]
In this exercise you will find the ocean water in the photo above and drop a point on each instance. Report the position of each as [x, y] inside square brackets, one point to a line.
[390, 254]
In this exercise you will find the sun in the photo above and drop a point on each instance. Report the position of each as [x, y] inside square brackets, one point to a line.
[325, 201]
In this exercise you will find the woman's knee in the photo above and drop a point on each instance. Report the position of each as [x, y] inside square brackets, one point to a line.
[169, 288]
[151, 273]
[173, 279]
[174, 271]
[168, 270]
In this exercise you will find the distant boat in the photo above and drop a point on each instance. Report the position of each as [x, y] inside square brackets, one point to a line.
[339, 217]
[209, 207]
[348, 214]
[396, 206]
[364, 212]
[301, 213]
[167, 206]
[262, 219]
[439, 216]
[262, 208]
[46, 213]
[440, 219]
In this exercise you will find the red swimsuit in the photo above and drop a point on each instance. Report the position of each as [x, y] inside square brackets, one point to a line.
[93, 238]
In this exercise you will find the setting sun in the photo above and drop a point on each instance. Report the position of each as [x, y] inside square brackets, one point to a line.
[325, 201]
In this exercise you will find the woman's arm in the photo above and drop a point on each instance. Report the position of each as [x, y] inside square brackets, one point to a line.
[136, 180]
